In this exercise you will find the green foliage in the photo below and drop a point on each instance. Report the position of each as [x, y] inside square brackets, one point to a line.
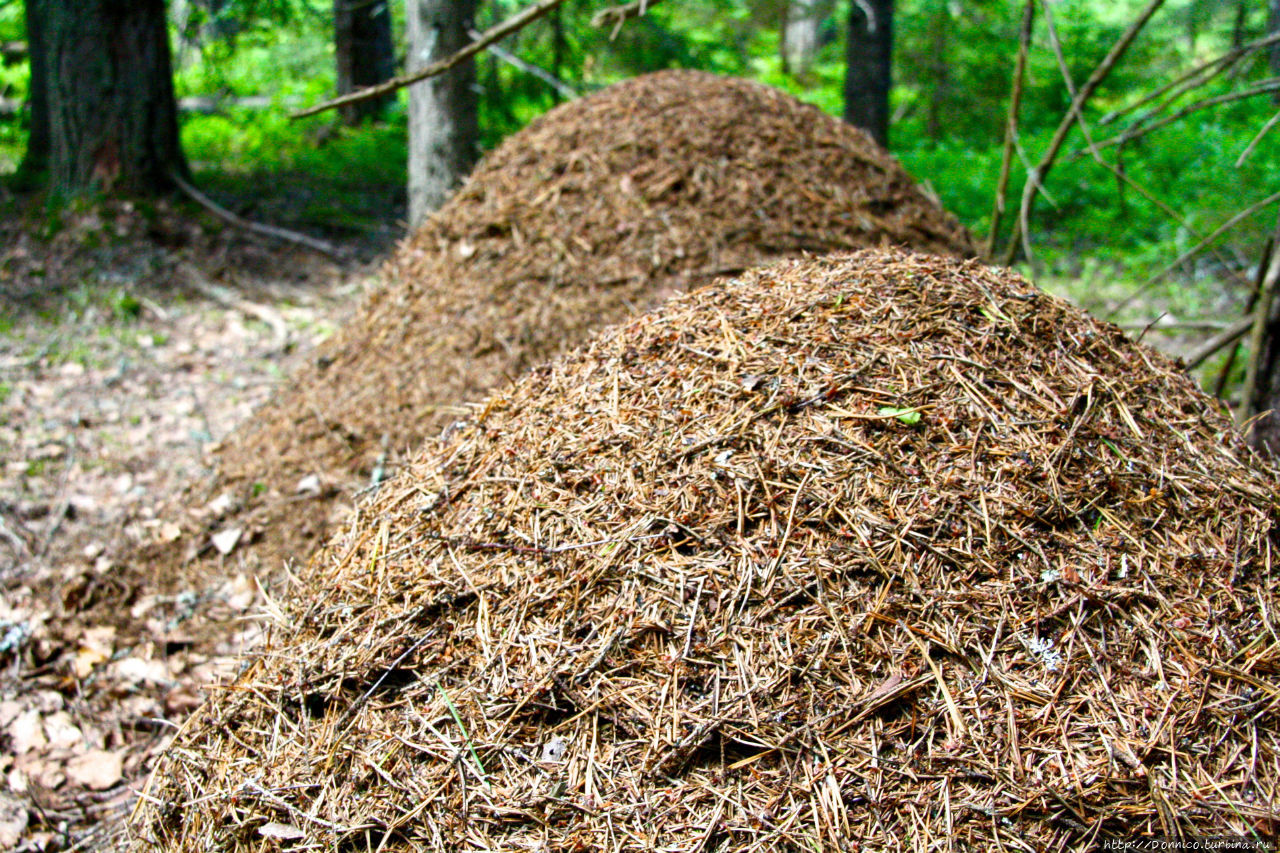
[953, 63]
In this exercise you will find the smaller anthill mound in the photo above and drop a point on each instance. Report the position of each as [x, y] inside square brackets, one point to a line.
[598, 209]
[879, 548]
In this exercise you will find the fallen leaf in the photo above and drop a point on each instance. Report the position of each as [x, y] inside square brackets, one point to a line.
[27, 732]
[225, 541]
[309, 484]
[13, 822]
[61, 731]
[280, 830]
[222, 504]
[135, 671]
[96, 769]
[553, 750]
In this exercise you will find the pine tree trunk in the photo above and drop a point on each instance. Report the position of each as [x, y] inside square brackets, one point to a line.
[868, 75]
[113, 121]
[443, 130]
[36, 160]
[363, 48]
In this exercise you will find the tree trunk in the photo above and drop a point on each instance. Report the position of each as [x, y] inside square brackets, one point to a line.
[443, 130]
[36, 161]
[800, 35]
[1273, 26]
[940, 26]
[365, 55]
[868, 75]
[113, 121]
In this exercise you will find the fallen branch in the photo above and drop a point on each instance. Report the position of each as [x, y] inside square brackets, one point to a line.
[616, 16]
[230, 218]
[1227, 336]
[1100, 73]
[225, 297]
[1119, 173]
[494, 34]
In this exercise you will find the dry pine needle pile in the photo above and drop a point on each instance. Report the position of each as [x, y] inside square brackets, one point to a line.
[878, 551]
[598, 209]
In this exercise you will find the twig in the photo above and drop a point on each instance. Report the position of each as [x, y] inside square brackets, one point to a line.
[1100, 73]
[565, 91]
[64, 501]
[1092, 148]
[616, 16]
[230, 218]
[1268, 86]
[1253, 143]
[1178, 261]
[1227, 336]
[495, 33]
[1257, 336]
[1227, 58]
[1224, 372]
[1011, 126]
[197, 281]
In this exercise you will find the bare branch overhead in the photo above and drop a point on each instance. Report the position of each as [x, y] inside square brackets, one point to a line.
[494, 34]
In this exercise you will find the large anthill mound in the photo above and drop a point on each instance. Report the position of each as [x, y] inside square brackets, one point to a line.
[598, 209]
[878, 549]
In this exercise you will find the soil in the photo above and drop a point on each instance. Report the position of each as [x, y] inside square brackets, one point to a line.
[134, 341]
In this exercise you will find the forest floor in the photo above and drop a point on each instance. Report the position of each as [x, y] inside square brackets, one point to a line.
[131, 343]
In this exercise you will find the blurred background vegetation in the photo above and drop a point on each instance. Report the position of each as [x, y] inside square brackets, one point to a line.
[242, 68]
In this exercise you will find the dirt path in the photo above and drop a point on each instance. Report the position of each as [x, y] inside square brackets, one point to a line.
[112, 394]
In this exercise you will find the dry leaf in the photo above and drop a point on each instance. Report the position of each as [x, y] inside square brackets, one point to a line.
[225, 541]
[27, 732]
[96, 769]
[137, 671]
[222, 504]
[280, 830]
[61, 731]
[309, 484]
[13, 822]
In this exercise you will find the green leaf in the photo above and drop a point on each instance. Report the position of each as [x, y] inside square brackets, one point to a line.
[910, 417]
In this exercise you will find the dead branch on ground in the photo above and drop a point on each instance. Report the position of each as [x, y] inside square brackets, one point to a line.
[322, 246]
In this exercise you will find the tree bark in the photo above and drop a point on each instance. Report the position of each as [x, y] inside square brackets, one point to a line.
[443, 130]
[940, 26]
[869, 73]
[1273, 54]
[801, 33]
[113, 121]
[36, 161]
[365, 54]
